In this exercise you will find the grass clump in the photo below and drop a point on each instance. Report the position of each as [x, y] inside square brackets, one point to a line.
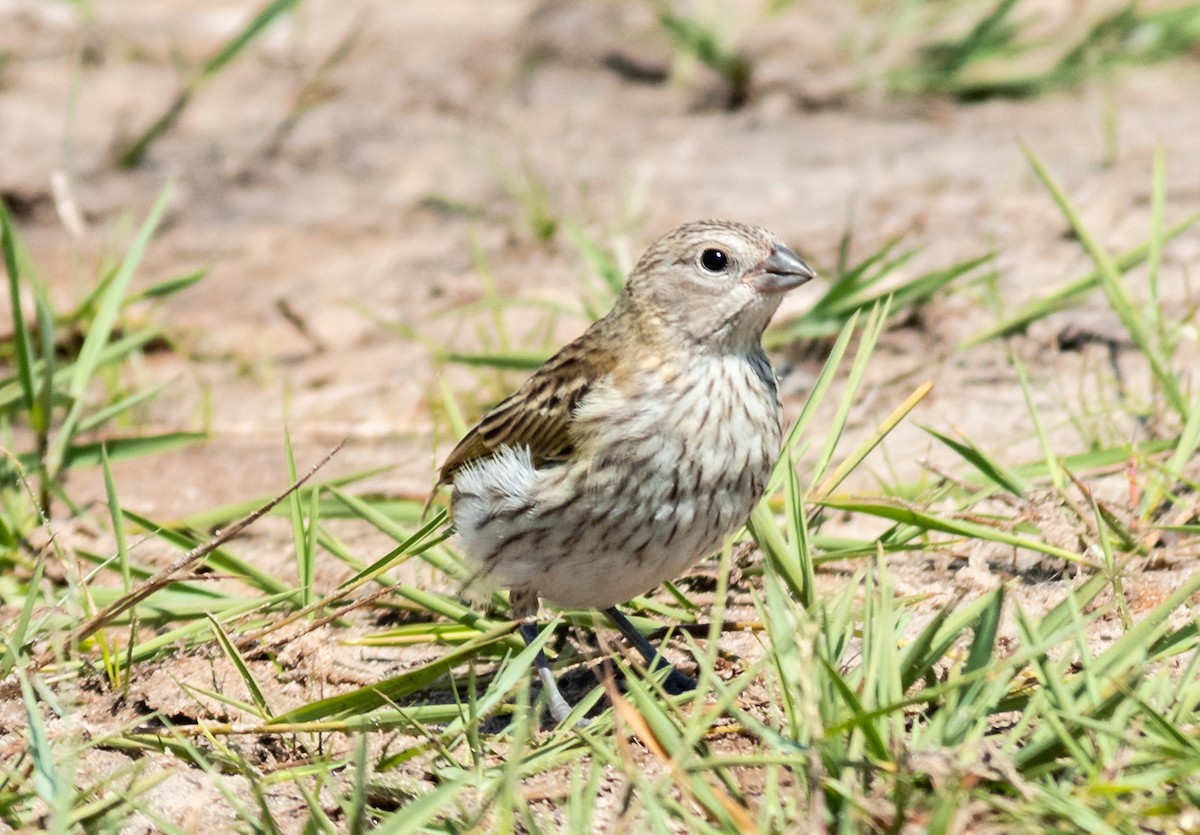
[998, 57]
[53, 365]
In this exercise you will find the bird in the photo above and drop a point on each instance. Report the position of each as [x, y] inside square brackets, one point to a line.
[638, 448]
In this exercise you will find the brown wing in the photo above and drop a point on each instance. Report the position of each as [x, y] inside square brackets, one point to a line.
[539, 414]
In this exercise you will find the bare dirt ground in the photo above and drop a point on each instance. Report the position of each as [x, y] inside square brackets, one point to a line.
[367, 211]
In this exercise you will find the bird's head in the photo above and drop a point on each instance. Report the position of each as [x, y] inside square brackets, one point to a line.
[714, 283]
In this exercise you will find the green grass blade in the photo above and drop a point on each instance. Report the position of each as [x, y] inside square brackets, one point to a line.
[1068, 294]
[407, 547]
[846, 287]
[851, 462]
[110, 303]
[21, 337]
[103, 416]
[968, 530]
[304, 565]
[16, 640]
[858, 717]
[415, 814]
[119, 449]
[10, 390]
[925, 286]
[232, 48]
[1110, 281]
[805, 569]
[918, 658]
[776, 552]
[396, 688]
[984, 464]
[598, 260]
[135, 151]
[42, 416]
[833, 432]
[986, 629]
[117, 521]
[1185, 450]
[1158, 199]
[170, 287]
[47, 781]
[1048, 456]
[812, 403]
[99, 334]
[239, 664]
[220, 559]
[503, 360]
[458, 424]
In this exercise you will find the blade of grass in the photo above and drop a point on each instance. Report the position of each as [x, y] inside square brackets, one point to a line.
[243, 669]
[598, 260]
[969, 530]
[1110, 281]
[48, 783]
[397, 687]
[1048, 456]
[10, 391]
[415, 814]
[503, 360]
[1158, 198]
[983, 463]
[170, 286]
[458, 424]
[805, 570]
[815, 397]
[119, 449]
[15, 642]
[103, 416]
[135, 151]
[1185, 451]
[1067, 294]
[99, 334]
[873, 440]
[218, 559]
[866, 346]
[21, 336]
[304, 557]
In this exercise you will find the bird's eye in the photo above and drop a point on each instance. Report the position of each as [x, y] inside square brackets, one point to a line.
[714, 260]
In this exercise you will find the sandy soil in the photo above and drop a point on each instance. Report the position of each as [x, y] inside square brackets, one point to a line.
[368, 215]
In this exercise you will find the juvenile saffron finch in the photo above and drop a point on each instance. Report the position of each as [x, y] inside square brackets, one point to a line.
[638, 448]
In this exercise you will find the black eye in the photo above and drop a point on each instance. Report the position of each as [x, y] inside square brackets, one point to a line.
[714, 260]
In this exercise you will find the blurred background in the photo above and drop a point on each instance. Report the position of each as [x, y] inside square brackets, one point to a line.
[361, 182]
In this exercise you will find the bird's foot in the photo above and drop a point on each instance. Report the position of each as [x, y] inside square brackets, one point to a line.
[676, 683]
[559, 707]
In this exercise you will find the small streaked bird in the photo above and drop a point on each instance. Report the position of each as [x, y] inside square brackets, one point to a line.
[638, 448]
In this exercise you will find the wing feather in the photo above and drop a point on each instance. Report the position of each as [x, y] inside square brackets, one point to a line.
[540, 414]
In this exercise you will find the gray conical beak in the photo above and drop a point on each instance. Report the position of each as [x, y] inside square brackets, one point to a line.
[780, 271]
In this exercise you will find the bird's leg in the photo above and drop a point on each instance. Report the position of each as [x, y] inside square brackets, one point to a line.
[560, 708]
[676, 681]
[524, 604]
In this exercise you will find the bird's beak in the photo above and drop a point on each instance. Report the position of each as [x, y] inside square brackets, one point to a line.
[779, 272]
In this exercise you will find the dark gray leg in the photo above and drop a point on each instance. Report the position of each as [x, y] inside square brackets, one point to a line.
[676, 681]
[559, 707]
